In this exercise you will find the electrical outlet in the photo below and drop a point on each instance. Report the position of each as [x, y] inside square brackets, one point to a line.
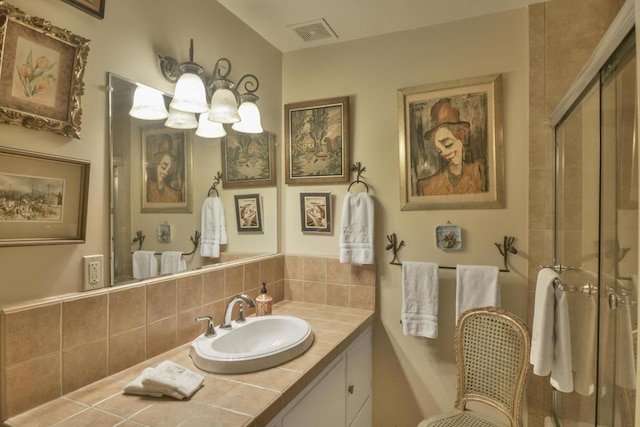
[92, 272]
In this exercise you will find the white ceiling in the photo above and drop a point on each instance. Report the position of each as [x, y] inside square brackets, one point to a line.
[356, 19]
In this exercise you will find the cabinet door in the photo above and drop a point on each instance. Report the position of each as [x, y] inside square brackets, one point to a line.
[364, 418]
[324, 405]
[359, 369]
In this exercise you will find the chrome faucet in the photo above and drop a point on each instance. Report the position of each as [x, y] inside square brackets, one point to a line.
[240, 298]
[211, 331]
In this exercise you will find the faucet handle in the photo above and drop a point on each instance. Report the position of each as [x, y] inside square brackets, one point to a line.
[211, 331]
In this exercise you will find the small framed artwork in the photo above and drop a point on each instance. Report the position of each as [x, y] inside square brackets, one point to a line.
[166, 170]
[92, 7]
[164, 233]
[41, 72]
[248, 159]
[451, 153]
[317, 141]
[248, 213]
[315, 212]
[43, 198]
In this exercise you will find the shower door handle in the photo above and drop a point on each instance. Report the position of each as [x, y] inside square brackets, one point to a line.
[614, 301]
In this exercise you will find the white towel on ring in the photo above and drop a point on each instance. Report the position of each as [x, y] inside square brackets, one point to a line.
[213, 227]
[356, 229]
[420, 290]
[476, 286]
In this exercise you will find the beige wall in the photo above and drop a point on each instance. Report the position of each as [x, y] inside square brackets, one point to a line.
[416, 376]
[126, 42]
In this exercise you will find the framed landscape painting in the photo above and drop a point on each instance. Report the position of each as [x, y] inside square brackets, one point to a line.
[248, 159]
[317, 141]
[43, 198]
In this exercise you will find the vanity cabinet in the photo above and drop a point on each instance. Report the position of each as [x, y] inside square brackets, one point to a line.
[339, 396]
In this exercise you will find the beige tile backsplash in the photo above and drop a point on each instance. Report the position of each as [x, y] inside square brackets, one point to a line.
[55, 346]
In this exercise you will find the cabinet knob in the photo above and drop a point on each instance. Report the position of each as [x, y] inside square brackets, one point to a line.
[350, 388]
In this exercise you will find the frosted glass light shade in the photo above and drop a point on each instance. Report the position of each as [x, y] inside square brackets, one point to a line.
[181, 120]
[249, 118]
[224, 107]
[148, 104]
[209, 129]
[190, 95]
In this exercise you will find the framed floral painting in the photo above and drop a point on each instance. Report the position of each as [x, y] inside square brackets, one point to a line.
[41, 71]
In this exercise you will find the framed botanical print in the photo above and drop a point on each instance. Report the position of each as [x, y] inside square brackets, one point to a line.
[451, 152]
[248, 159]
[317, 141]
[166, 170]
[315, 212]
[248, 213]
[41, 72]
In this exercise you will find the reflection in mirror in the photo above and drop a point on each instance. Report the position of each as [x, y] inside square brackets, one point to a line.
[161, 179]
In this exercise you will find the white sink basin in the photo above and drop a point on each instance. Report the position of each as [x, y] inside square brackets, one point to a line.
[259, 343]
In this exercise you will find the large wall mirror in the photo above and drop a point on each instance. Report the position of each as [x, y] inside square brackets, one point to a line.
[172, 225]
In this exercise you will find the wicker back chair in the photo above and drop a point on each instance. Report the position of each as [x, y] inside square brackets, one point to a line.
[492, 356]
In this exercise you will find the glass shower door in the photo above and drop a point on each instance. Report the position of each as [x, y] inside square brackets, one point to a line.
[577, 251]
[618, 241]
[596, 245]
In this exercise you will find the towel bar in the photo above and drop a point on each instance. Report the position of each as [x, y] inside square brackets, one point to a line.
[195, 239]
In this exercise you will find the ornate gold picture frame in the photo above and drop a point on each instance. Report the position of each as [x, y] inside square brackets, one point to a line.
[41, 71]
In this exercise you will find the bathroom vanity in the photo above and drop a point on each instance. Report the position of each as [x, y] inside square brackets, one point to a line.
[332, 379]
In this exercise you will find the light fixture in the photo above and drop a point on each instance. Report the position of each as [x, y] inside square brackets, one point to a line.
[180, 119]
[194, 86]
[209, 129]
[148, 104]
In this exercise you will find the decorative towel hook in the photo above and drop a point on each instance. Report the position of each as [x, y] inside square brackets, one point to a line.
[214, 187]
[393, 244]
[139, 239]
[358, 169]
[505, 248]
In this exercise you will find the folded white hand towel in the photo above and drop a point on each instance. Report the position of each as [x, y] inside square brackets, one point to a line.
[136, 387]
[550, 333]
[476, 286]
[420, 290]
[145, 264]
[172, 262]
[356, 229]
[213, 228]
[171, 376]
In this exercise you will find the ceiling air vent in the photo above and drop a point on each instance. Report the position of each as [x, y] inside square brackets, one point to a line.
[313, 30]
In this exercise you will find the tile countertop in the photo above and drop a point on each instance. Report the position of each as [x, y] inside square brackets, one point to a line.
[251, 399]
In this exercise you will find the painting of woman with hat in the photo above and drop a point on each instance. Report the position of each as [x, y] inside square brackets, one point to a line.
[459, 172]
